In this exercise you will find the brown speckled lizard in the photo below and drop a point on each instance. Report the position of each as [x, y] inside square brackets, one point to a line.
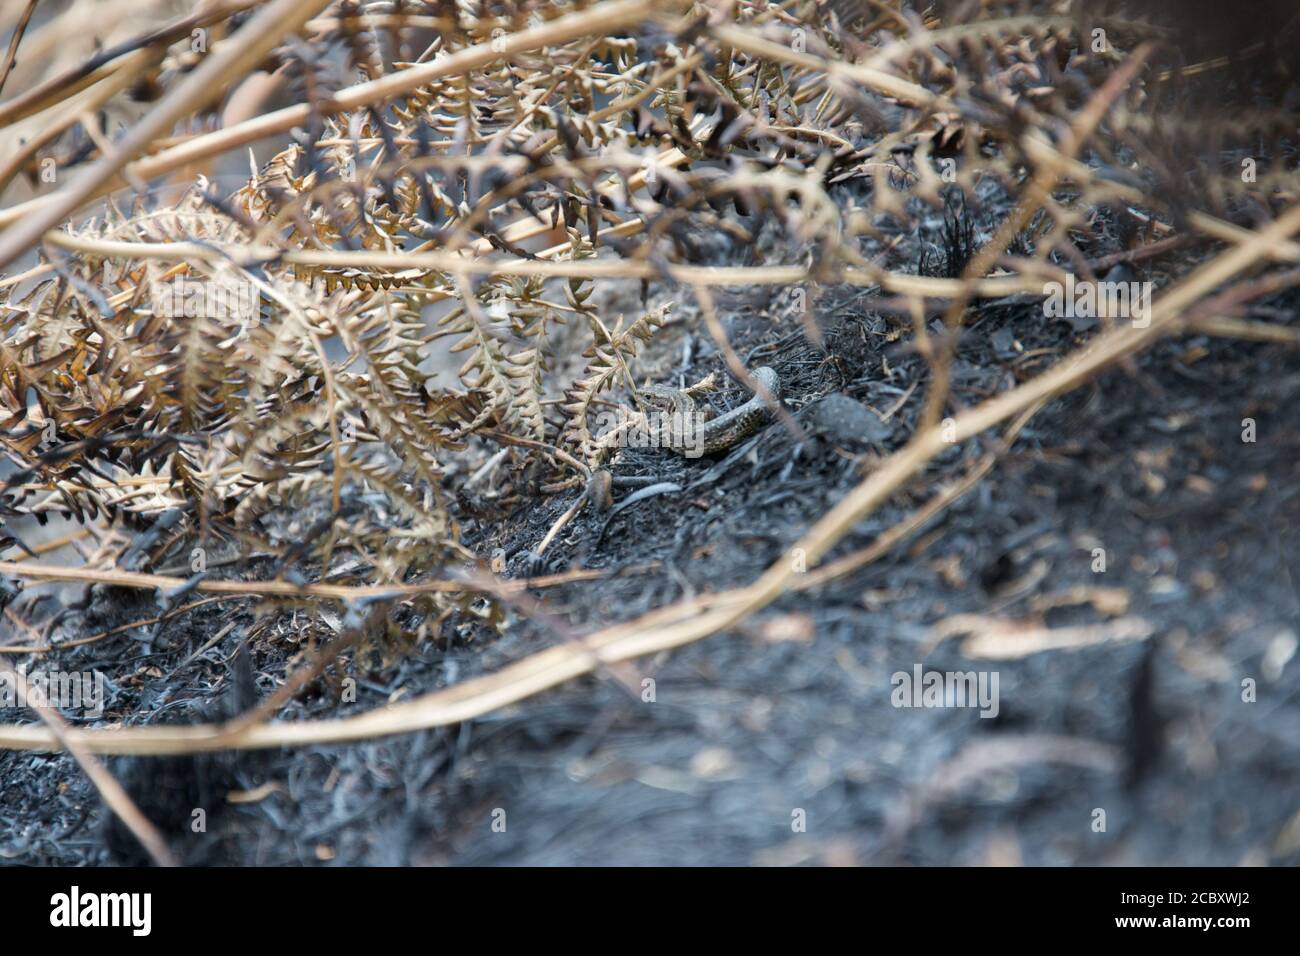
[718, 434]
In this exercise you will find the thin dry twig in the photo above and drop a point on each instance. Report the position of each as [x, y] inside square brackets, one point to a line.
[115, 797]
[11, 54]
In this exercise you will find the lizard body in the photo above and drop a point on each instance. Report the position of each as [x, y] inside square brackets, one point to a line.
[718, 434]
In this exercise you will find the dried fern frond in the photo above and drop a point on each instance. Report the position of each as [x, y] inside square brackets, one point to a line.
[607, 358]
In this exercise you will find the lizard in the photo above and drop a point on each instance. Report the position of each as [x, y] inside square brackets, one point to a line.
[684, 432]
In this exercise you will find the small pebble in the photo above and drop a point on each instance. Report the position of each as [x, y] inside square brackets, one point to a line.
[844, 421]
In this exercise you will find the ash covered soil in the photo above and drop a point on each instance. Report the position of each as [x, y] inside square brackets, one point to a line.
[778, 742]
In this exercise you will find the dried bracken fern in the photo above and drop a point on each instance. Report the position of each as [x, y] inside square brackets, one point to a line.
[607, 358]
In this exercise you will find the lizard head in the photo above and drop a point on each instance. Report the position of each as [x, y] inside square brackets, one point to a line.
[661, 398]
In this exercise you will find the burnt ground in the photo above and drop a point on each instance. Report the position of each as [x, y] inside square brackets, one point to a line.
[789, 718]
